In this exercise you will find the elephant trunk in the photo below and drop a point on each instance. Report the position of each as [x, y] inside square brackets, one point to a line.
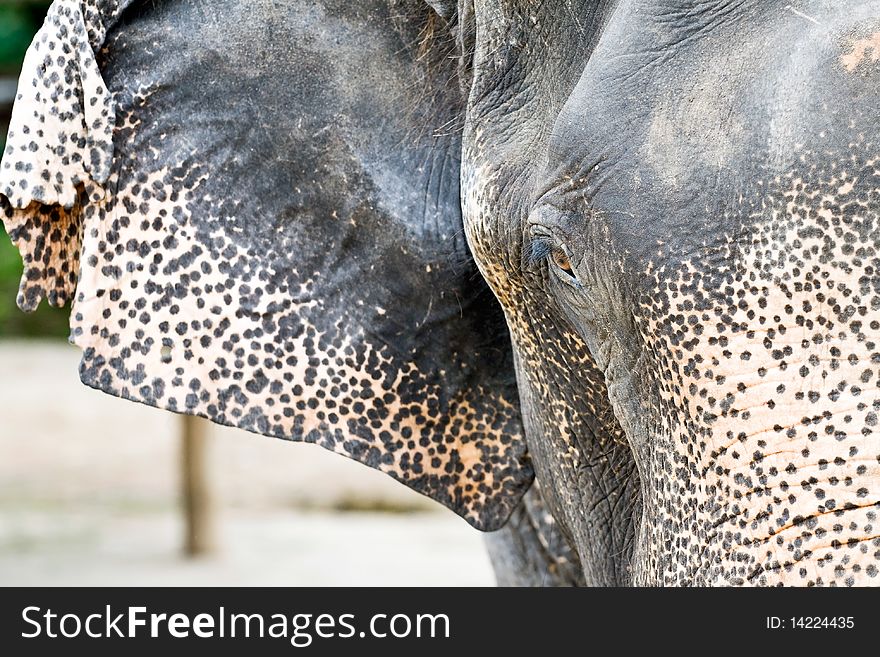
[763, 463]
[786, 508]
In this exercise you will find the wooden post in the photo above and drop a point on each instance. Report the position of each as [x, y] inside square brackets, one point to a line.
[198, 504]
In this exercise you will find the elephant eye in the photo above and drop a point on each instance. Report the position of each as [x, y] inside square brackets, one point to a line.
[544, 249]
[560, 259]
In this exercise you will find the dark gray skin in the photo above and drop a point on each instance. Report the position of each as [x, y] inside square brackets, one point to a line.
[530, 550]
[674, 203]
[694, 216]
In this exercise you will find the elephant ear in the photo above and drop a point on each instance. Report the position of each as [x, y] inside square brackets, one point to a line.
[59, 147]
[270, 234]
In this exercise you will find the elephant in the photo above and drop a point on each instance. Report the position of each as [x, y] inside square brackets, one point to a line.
[599, 276]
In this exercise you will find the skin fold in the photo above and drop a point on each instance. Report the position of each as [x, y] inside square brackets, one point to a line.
[625, 247]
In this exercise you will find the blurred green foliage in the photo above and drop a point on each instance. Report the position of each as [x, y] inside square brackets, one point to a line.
[16, 30]
[18, 23]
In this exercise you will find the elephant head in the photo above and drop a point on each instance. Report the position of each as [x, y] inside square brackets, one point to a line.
[677, 206]
[276, 217]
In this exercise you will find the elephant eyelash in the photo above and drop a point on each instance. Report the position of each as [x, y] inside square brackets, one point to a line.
[540, 249]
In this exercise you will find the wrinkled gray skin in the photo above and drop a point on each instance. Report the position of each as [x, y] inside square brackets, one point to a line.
[674, 202]
[677, 205]
[531, 551]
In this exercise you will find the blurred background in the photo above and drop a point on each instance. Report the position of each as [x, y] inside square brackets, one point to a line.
[99, 491]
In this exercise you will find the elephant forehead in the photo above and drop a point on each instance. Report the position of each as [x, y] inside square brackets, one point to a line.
[671, 139]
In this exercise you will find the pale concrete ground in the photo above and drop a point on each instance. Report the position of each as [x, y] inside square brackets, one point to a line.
[89, 495]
